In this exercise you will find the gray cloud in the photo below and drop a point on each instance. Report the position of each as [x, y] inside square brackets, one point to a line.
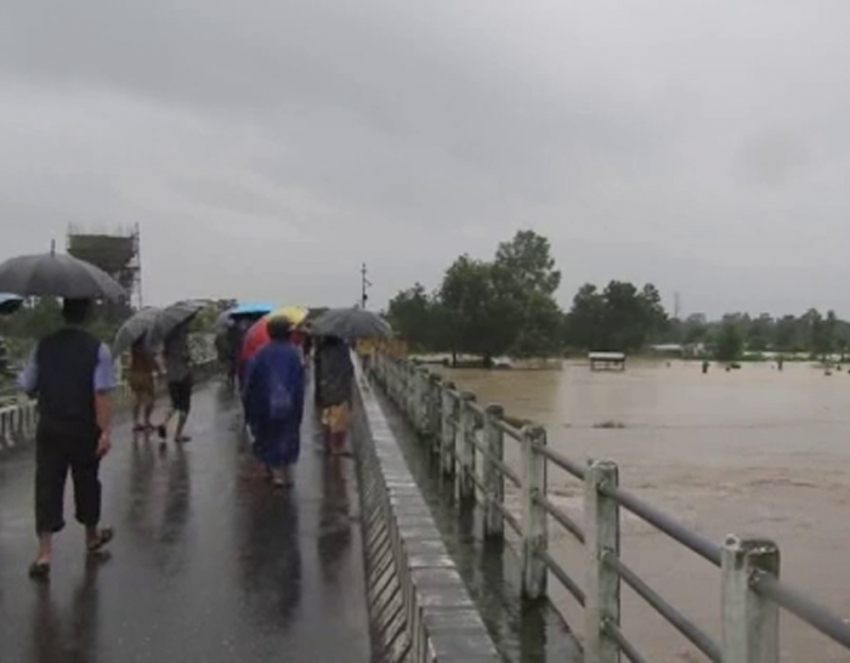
[268, 148]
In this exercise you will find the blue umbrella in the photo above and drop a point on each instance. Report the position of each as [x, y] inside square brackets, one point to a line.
[10, 303]
[252, 308]
[247, 309]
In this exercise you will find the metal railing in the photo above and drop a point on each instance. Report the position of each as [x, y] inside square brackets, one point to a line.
[458, 429]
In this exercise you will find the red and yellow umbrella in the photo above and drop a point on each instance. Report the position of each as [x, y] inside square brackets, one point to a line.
[258, 334]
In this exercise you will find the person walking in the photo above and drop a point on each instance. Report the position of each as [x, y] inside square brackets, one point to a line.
[334, 379]
[274, 401]
[140, 378]
[71, 374]
[178, 371]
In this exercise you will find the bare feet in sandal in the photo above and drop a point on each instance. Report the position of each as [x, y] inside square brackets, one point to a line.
[39, 570]
[281, 477]
[96, 539]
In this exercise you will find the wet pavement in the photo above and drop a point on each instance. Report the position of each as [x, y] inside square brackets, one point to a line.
[210, 563]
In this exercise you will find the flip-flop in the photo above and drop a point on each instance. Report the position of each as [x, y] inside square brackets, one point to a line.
[39, 570]
[139, 428]
[104, 536]
[182, 439]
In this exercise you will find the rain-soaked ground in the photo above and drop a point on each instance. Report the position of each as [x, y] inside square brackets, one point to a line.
[749, 451]
[209, 563]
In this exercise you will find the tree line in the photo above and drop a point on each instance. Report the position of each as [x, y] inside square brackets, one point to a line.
[507, 306]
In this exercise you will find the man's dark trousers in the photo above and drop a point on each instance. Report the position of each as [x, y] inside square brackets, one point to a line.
[60, 447]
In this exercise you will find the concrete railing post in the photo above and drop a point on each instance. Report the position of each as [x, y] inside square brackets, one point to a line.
[602, 535]
[447, 430]
[750, 622]
[395, 380]
[418, 399]
[534, 530]
[494, 480]
[434, 392]
[410, 380]
[465, 448]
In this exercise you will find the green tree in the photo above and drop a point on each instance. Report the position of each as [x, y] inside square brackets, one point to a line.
[621, 317]
[482, 320]
[527, 262]
[824, 334]
[411, 313]
[35, 320]
[760, 333]
[524, 275]
[584, 322]
[540, 333]
[656, 320]
[695, 329]
[729, 343]
[786, 337]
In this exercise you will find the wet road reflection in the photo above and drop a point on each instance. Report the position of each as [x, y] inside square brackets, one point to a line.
[270, 556]
[209, 563]
[72, 633]
[334, 519]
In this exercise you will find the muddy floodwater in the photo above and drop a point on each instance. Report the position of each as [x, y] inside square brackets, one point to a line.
[753, 451]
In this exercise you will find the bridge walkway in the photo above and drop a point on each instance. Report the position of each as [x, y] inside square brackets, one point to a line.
[210, 562]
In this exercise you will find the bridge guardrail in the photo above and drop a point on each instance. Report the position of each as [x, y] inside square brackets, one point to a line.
[457, 429]
[421, 610]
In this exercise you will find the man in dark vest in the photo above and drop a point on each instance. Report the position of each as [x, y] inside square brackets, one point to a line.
[72, 375]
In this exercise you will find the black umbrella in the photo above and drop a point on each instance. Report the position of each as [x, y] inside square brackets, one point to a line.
[351, 323]
[57, 275]
[134, 328]
[170, 318]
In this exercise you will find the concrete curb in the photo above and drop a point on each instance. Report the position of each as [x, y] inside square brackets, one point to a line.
[420, 609]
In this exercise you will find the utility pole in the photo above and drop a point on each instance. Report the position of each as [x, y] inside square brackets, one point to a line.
[364, 284]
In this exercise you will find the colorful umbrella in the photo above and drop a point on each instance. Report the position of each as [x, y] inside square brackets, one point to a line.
[246, 310]
[258, 335]
[252, 308]
[295, 314]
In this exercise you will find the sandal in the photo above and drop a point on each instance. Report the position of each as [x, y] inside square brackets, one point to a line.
[39, 570]
[139, 428]
[104, 536]
[182, 439]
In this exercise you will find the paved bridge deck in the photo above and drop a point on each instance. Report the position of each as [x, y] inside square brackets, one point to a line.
[209, 562]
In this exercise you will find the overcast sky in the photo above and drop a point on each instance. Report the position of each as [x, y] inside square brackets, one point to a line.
[267, 148]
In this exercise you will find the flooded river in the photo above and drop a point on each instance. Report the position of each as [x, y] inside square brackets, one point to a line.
[754, 451]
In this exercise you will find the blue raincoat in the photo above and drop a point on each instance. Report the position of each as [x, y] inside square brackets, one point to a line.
[274, 402]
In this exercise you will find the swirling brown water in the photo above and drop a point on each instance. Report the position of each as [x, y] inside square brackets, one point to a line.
[750, 451]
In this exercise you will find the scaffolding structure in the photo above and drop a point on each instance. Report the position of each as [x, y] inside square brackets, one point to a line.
[117, 252]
